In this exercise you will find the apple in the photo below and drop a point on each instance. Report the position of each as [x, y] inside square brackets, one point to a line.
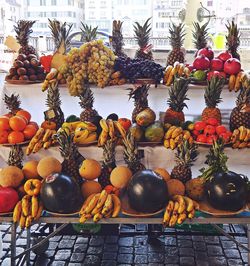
[206, 52]
[232, 66]
[216, 64]
[224, 56]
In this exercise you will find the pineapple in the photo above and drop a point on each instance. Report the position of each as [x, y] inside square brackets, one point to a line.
[186, 155]
[200, 35]
[176, 40]
[23, 31]
[86, 102]
[53, 101]
[16, 156]
[60, 33]
[71, 156]
[177, 95]
[240, 115]
[12, 103]
[212, 98]
[89, 33]
[117, 38]
[139, 96]
[142, 34]
[108, 163]
[233, 39]
[131, 155]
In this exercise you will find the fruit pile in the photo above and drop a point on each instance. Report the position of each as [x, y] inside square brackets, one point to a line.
[52, 77]
[100, 205]
[209, 131]
[241, 138]
[178, 209]
[30, 208]
[139, 68]
[117, 79]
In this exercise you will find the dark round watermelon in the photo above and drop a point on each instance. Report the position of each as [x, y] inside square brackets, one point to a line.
[147, 192]
[61, 194]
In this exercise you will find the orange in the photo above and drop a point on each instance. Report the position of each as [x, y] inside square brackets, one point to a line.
[163, 173]
[90, 169]
[15, 137]
[3, 136]
[4, 123]
[120, 176]
[25, 114]
[30, 170]
[90, 187]
[29, 131]
[17, 123]
[34, 124]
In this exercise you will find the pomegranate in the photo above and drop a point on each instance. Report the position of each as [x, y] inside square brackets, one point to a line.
[216, 64]
[202, 138]
[211, 74]
[224, 56]
[211, 139]
[207, 52]
[8, 199]
[232, 66]
[201, 62]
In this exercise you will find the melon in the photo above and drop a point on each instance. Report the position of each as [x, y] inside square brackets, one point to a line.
[11, 176]
[48, 165]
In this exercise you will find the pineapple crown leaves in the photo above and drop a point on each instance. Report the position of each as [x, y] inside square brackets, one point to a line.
[243, 97]
[131, 150]
[142, 33]
[213, 91]
[178, 94]
[12, 102]
[117, 37]
[89, 33]
[233, 37]
[117, 26]
[139, 94]
[186, 153]
[109, 152]
[23, 31]
[86, 98]
[177, 34]
[216, 160]
[60, 33]
[53, 96]
[200, 35]
[15, 156]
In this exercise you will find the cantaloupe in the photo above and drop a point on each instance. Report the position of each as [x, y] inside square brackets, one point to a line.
[90, 169]
[90, 187]
[120, 176]
[163, 173]
[11, 176]
[175, 187]
[48, 165]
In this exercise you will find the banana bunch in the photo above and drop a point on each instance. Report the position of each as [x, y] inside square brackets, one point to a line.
[27, 210]
[42, 139]
[110, 130]
[178, 69]
[117, 79]
[241, 138]
[100, 205]
[179, 209]
[239, 80]
[51, 78]
[84, 132]
[174, 136]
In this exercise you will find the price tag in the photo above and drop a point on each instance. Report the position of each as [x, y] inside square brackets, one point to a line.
[50, 114]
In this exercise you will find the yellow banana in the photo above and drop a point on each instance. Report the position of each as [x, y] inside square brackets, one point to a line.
[181, 69]
[86, 203]
[34, 206]
[189, 204]
[172, 144]
[173, 219]
[167, 73]
[92, 204]
[120, 129]
[235, 135]
[243, 133]
[169, 132]
[80, 136]
[102, 138]
[84, 218]
[111, 128]
[109, 213]
[28, 221]
[178, 139]
[97, 217]
[167, 143]
[22, 221]
[187, 134]
[187, 72]
[52, 74]
[176, 67]
[168, 211]
[181, 201]
[26, 205]
[117, 205]
[91, 137]
[84, 125]
[39, 212]
[181, 218]
[176, 132]
[170, 77]
[102, 199]
[108, 205]
[104, 125]
[191, 214]
[191, 140]
[238, 81]
[231, 84]
[17, 212]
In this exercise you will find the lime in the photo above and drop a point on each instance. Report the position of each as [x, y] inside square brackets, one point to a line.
[200, 75]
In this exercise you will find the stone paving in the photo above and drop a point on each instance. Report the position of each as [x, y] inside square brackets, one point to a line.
[184, 250]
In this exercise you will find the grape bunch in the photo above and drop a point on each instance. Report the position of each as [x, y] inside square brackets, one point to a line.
[92, 62]
[137, 68]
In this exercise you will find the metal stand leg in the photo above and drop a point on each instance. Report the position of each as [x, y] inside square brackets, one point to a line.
[13, 244]
[28, 246]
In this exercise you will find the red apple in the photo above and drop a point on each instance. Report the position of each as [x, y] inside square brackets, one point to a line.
[206, 52]
[232, 66]
[201, 62]
[216, 64]
[224, 56]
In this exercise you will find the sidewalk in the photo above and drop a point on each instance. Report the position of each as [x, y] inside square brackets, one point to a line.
[173, 250]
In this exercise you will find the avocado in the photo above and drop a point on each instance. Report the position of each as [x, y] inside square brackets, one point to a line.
[113, 116]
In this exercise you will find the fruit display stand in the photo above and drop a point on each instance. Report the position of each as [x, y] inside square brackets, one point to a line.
[116, 96]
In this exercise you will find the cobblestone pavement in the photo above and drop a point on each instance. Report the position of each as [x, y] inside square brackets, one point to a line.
[137, 250]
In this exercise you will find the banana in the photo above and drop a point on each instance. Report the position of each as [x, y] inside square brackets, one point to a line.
[242, 145]
[28, 221]
[191, 214]
[191, 140]
[104, 125]
[168, 134]
[186, 134]
[120, 128]
[235, 135]
[189, 204]
[181, 69]
[111, 128]
[187, 72]
[109, 213]
[39, 212]
[167, 143]
[102, 138]
[116, 205]
[167, 73]
[80, 135]
[172, 144]
[102, 199]
[84, 218]
[170, 77]
[52, 74]
[181, 201]
[83, 125]
[97, 217]
[231, 84]
[26, 205]
[176, 132]
[173, 219]
[181, 218]
[236, 144]
[17, 212]
[108, 205]
[178, 139]
[34, 206]
[170, 206]
[86, 203]
[247, 138]
[22, 221]
[91, 137]
[238, 81]
[92, 204]
[167, 214]
[176, 67]
[243, 133]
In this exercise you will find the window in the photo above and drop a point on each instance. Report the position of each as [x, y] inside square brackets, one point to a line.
[54, 14]
[70, 2]
[53, 2]
[69, 13]
[42, 2]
